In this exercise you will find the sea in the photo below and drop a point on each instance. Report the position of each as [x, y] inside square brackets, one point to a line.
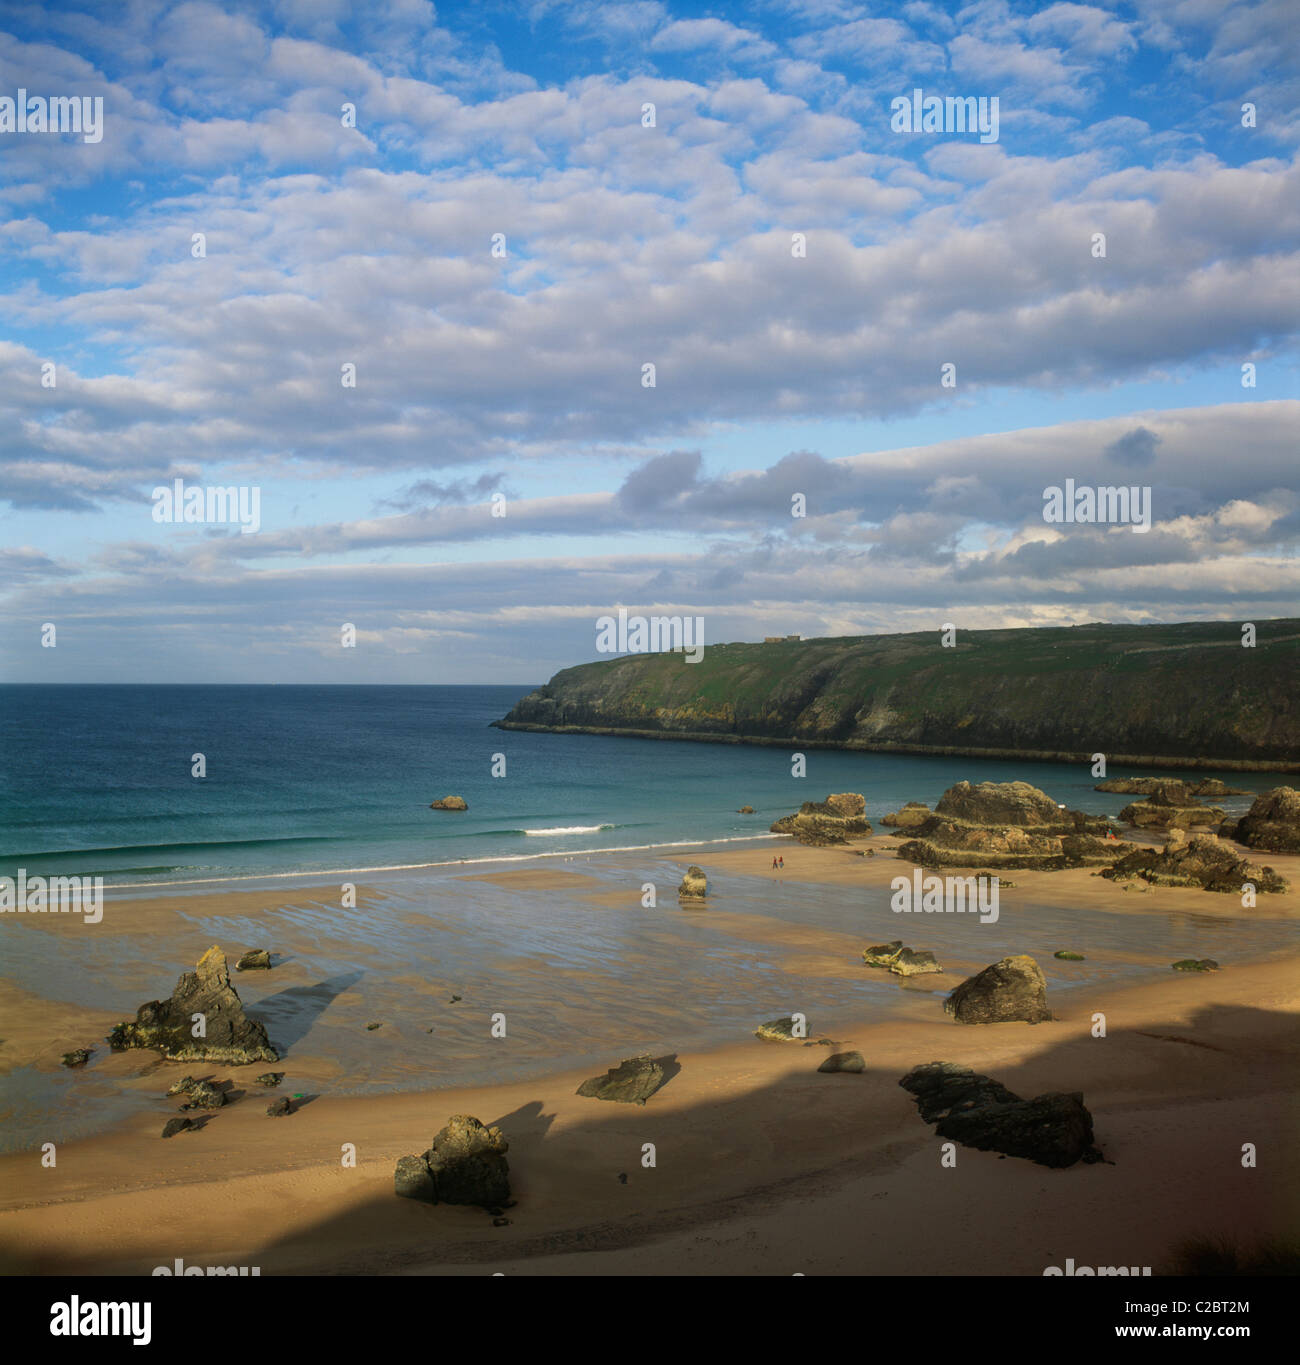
[100, 780]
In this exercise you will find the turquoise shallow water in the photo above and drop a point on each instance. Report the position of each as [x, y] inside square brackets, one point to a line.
[97, 780]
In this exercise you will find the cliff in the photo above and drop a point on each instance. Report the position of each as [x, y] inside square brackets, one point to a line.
[1186, 695]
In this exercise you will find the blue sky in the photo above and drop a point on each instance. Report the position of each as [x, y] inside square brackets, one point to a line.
[776, 373]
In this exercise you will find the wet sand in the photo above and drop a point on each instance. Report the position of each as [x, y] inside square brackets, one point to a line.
[762, 1165]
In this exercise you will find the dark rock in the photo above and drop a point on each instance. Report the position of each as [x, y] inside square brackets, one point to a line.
[630, 1082]
[374, 1024]
[174, 1126]
[1013, 990]
[1201, 860]
[278, 1108]
[465, 1165]
[269, 1078]
[1192, 964]
[230, 1037]
[449, 803]
[844, 1061]
[78, 1056]
[259, 960]
[695, 885]
[198, 1094]
[1053, 1130]
[501, 1222]
[1272, 824]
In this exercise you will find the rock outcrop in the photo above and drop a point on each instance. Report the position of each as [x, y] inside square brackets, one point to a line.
[1013, 990]
[821, 823]
[999, 825]
[1199, 860]
[465, 1164]
[1053, 1130]
[198, 1094]
[229, 1034]
[1145, 786]
[782, 1031]
[174, 1126]
[745, 810]
[1272, 824]
[893, 957]
[694, 885]
[1170, 806]
[910, 816]
[847, 803]
[259, 960]
[449, 803]
[630, 1082]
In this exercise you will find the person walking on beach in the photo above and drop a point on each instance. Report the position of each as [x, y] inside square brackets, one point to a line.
[781, 862]
[774, 862]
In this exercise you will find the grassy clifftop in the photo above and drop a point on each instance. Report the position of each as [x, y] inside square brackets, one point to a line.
[1168, 695]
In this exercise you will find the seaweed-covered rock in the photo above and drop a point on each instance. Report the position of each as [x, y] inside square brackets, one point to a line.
[1066, 956]
[465, 1164]
[1272, 824]
[258, 960]
[269, 1078]
[1201, 860]
[821, 823]
[229, 1035]
[782, 1030]
[1053, 1129]
[1011, 991]
[1170, 805]
[77, 1057]
[694, 885]
[882, 954]
[198, 1094]
[630, 1082]
[913, 814]
[894, 957]
[848, 1062]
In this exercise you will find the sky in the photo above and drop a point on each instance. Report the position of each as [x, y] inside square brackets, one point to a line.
[400, 270]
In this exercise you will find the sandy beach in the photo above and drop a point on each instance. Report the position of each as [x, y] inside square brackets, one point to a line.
[762, 1165]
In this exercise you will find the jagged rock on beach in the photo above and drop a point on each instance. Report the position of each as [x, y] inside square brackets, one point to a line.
[630, 1082]
[77, 1057]
[781, 1031]
[198, 1094]
[465, 1164]
[1053, 1130]
[230, 1036]
[821, 823]
[1013, 990]
[909, 816]
[449, 803]
[1203, 860]
[694, 885]
[174, 1126]
[1272, 824]
[848, 1062]
[269, 1078]
[894, 957]
[1193, 964]
[1170, 806]
[278, 1108]
[258, 960]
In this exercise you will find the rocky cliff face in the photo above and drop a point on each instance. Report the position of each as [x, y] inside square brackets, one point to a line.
[1161, 696]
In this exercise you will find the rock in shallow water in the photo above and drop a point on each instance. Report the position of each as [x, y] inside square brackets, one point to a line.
[695, 885]
[1013, 990]
[466, 1164]
[449, 803]
[259, 960]
[630, 1082]
[230, 1036]
[782, 1031]
[977, 1111]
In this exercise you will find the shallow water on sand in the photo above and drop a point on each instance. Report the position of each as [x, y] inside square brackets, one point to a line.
[581, 972]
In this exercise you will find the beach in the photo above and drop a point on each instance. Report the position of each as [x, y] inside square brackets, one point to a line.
[762, 1165]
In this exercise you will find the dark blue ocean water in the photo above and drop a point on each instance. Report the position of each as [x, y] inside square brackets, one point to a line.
[97, 780]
